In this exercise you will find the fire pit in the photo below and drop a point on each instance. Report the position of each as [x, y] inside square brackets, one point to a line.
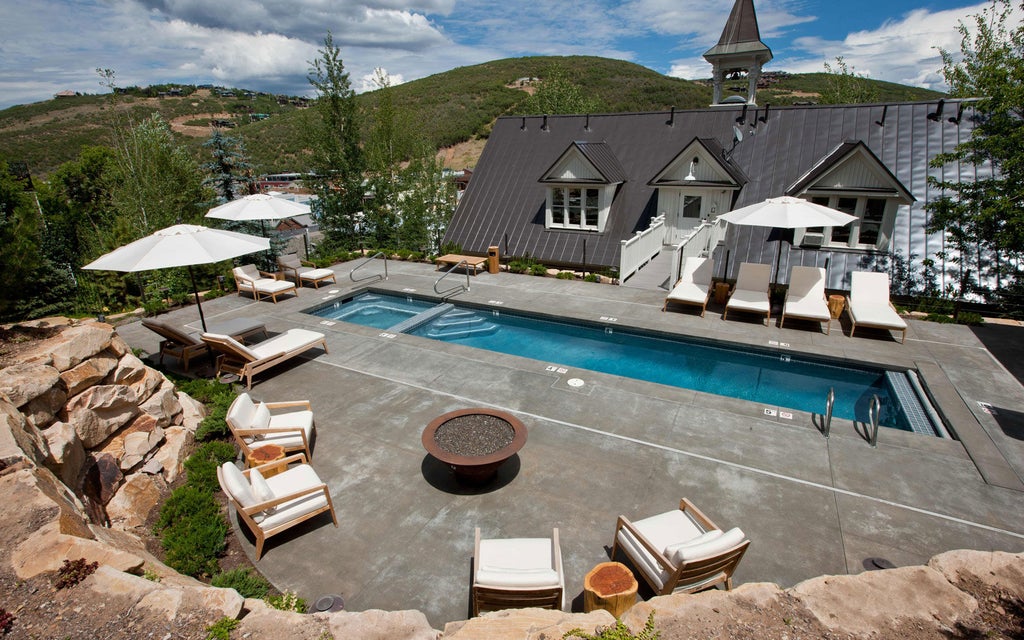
[474, 442]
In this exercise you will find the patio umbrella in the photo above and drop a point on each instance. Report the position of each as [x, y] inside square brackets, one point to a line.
[181, 245]
[787, 212]
[258, 206]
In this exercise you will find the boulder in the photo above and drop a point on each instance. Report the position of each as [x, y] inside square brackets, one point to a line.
[34, 496]
[42, 410]
[100, 411]
[67, 455]
[380, 625]
[134, 501]
[876, 602]
[26, 381]
[48, 548]
[523, 624]
[192, 411]
[129, 370]
[88, 373]
[79, 343]
[132, 444]
[102, 478]
[179, 443]
[19, 440]
[262, 621]
[994, 568]
[118, 345]
[163, 404]
[109, 582]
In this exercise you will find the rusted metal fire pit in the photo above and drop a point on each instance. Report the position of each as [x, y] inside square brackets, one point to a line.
[474, 442]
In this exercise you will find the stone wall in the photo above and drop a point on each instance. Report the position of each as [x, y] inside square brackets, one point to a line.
[90, 438]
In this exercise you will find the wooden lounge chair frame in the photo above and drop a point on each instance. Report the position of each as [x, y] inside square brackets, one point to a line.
[740, 280]
[241, 433]
[687, 577]
[299, 276]
[785, 314]
[873, 325]
[178, 344]
[690, 273]
[494, 598]
[252, 285]
[248, 513]
[231, 360]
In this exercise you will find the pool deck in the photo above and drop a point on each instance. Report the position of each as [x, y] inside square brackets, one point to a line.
[810, 505]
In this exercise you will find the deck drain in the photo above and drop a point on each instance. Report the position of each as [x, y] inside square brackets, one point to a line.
[329, 603]
[575, 383]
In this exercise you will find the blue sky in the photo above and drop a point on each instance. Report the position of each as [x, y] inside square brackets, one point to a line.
[48, 46]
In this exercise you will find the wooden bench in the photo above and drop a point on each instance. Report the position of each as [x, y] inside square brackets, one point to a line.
[452, 259]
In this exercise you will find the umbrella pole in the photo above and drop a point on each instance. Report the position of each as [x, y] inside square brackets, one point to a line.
[195, 290]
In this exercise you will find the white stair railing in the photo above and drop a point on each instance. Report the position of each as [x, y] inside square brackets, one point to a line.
[638, 250]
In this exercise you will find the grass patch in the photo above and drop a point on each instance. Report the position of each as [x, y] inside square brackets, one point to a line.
[244, 581]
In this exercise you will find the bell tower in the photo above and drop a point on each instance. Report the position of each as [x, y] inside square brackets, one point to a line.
[739, 53]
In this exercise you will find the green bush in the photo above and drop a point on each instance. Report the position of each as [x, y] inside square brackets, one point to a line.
[592, 277]
[216, 396]
[244, 581]
[193, 531]
[970, 318]
[221, 630]
[566, 275]
[538, 270]
[618, 632]
[287, 601]
[940, 318]
[202, 465]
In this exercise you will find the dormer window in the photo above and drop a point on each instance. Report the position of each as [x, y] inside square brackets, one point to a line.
[581, 185]
[575, 207]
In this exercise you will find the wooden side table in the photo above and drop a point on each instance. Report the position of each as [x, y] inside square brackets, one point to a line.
[264, 454]
[836, 303]
[609, 586]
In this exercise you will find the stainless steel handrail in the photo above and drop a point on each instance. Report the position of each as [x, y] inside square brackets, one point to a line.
[352, 273]
[874, 415]
[459, 288]
[829, 403]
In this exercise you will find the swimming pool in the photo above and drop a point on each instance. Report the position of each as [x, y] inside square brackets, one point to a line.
[767, 377]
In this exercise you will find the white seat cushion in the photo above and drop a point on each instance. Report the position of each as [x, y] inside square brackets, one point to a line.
[748, 300]
[516, 562]
[288, 341]
[814, 308]
[269, 285]
[689, 292]
[315, 274]
[875, 314]
[292, 480]
[661, 531]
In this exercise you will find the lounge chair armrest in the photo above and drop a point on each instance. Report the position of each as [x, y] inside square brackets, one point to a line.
[290, 403]
[689, 508]
[307, 263]
[658, 554]
[268, 274]
[257, 432]
[275, 464]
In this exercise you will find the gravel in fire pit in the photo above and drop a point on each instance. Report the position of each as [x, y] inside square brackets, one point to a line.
[475, 434]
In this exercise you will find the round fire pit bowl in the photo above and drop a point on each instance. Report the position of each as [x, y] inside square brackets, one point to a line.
[474, 442]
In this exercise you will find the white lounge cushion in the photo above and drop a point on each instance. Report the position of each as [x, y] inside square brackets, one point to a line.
[689, 292]
[708, 536]
[516, 562]
[269, 285]
[751, 290]
[661, 531]
[869, 300]
[290, 340]
[875, 314]
[709, 548]
[310, 273]
[237, 486]
[749, 300]
[290, 481]
[806, 295]
[235, 343]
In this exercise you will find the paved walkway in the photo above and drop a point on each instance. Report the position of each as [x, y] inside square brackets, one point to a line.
[615, 446]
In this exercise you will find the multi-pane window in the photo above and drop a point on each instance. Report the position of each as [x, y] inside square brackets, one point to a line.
[575, 207]
[864, 232]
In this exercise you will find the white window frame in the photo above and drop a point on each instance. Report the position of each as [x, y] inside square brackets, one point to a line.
[560, 219]
[885, 225]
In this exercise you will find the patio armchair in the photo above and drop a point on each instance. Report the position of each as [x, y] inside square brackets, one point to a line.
[247, 361]
[751, 291]
[185, 345]
[805, 298]
[261, 284]
[694, 286]
[869, 306]
[254, 425]
[304, 271]
[270, 505]
[680, 550]
[513, 573]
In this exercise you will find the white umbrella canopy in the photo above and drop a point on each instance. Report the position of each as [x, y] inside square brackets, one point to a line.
[258, 206]
[181, 245]
[787, 212]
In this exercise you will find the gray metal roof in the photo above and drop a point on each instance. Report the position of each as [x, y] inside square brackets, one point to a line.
[504, 203]
[740, 34]
[600, 156]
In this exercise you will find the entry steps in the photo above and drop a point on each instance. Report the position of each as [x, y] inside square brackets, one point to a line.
[424, 316]
[461, 324]
[920, 414]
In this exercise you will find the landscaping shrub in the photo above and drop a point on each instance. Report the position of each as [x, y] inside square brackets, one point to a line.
[592, 277]
[618, 632]
[221, 630]
[216, 396]
[6, 621]
[970, 318]
[74, 571]
[538, 270]
[202, 465]
[287, 601]
[193, 531]
[244, 581]
[566, 275]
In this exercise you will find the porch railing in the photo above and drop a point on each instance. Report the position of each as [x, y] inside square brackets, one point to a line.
[639, 249]
[700, 243]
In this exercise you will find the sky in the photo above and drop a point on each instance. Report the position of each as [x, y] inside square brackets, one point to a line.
[48, 46]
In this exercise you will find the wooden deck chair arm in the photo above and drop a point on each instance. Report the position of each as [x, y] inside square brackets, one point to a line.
[556, 559]
[289, 403]
[270, 504]
[257, 432]
[658, 554]
[689, 508]
[268, 274]
[295, 457]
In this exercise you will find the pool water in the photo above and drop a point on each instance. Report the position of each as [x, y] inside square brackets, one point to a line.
[769, 378]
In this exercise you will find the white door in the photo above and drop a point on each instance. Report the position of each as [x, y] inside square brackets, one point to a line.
[688, 216]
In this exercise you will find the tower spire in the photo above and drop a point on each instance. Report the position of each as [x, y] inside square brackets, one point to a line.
[739, 51]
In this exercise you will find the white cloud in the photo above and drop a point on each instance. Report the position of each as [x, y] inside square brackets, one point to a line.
[690, 69]
[373, 81]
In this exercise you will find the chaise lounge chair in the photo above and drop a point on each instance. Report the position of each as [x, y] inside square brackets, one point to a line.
[302, 271]
[255, 425]
[805, 298]
[694, 286]
[185, 345]
[869, 306]
[261, 284]
[680, 550]
[247, 361]
[515, 573]
[271, 505]
[751, 291]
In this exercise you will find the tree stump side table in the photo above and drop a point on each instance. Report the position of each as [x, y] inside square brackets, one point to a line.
[609, 586]
[267, 453]
[836, 303]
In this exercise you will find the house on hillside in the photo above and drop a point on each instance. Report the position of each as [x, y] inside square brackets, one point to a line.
[611, 191]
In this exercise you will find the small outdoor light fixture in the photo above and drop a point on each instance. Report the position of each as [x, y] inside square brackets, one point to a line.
[693, 163]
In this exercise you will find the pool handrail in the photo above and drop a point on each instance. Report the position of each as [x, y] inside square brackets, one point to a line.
[829, 403]
[352, 273]
[459, 288]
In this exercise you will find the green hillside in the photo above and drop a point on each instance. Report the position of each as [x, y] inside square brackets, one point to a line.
[448, 108]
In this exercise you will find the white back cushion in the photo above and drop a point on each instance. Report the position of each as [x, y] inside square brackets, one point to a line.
[236, 485]
[241, 412]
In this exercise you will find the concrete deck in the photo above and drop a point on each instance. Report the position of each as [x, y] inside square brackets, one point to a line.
[615, 446]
